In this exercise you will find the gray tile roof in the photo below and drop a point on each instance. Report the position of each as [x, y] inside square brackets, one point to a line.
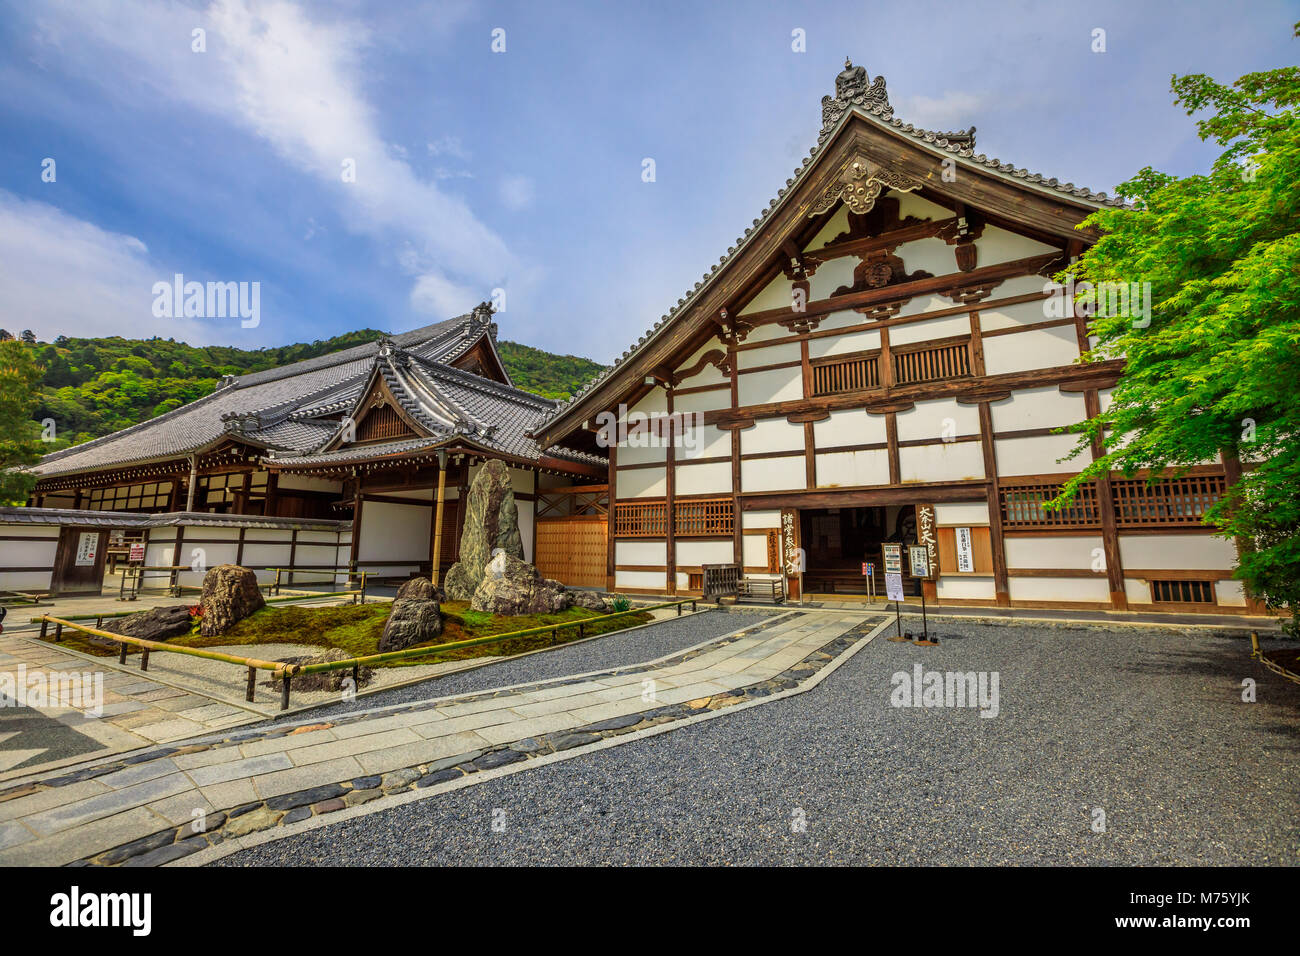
[853, 96]
[276, 409]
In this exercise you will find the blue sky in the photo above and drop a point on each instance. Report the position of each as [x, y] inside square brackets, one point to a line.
[519, 169]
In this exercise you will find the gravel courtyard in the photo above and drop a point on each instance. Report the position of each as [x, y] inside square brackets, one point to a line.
[1148, 726]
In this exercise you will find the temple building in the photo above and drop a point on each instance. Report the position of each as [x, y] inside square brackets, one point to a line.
[881, 358]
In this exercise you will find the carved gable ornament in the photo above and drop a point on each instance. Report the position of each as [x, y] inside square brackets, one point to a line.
[861, 186]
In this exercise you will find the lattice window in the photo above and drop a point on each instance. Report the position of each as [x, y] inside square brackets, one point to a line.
[846, 375]
[932, 364]
[640, 519]
[697, 518]
[1022, 507]
[710, 517]
[1171, 502]
[1183, 592]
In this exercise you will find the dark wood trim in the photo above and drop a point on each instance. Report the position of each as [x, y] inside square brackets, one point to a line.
[997, 541]
[810, 455]
[1106, 509]
[891, 433]
[1029, 327]
[670, 496]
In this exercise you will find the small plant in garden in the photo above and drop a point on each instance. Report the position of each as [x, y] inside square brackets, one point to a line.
[620, 604]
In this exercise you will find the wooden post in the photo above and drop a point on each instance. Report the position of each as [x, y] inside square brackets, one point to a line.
[670, 500]
[194, 480]
[435, 557]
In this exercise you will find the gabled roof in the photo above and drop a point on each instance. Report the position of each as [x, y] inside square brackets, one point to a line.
[447, 406]
[855, 98]
[283, 409]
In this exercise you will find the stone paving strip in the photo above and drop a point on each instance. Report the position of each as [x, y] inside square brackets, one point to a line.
[159, 806]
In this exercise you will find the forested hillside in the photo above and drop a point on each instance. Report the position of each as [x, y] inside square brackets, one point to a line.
[91, 387]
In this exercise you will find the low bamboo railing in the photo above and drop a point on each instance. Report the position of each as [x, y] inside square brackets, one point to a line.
[285, 672]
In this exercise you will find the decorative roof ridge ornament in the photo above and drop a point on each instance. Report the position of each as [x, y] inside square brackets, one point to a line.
[860, 186]
[852, 89]
[482, 313]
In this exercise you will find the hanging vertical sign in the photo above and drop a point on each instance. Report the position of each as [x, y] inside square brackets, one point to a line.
[925, 534]
[965, 550]
[87, 549]
[919, 561]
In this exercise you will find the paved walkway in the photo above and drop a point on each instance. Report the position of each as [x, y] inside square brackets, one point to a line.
[156, 807]
[137, 710]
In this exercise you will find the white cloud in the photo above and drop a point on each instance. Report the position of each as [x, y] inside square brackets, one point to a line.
[449, 146]
[947, 113]
[294, 82]
[516, 192]
[439, 297]
[66, 276]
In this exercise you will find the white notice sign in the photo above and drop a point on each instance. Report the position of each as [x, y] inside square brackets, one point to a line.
[965, 552]
[919, 559]
[893, 587]
[87, 549]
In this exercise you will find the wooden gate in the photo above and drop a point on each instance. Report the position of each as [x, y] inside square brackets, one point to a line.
[572, 549]
[79, 561]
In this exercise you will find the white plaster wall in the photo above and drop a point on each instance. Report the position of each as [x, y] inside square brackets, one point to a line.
[703, 401]
[1059, 589]
[775, 385]
[755, 551]
[938, 418]
[829, 277]
[752, 520]
[773, 474]
[932, 254]
[521, 481]
[852, 426]
[952, 461]
[775, 295]
[1063, 551]
[1041, 348]
[1037, 455]
[1046, 407]
[1230, 593]
[961, 513]
[913, 204]
[845, 469]
[653, 402]
[394, 533]
[273, 555]
[979, 588]
[998, 245]
[641, 552]
[1010, 316]
[771, 434]
[304, 537]
[706, 479]
[644, 580]
[1192, 552]
[925, 330]
[837, 224]
[526, 511]
[635, 455]
[1137, 591]
[691, 554]
[707, 441]
[768, 355]
[925, 303]
[863, 341]
[641, 482]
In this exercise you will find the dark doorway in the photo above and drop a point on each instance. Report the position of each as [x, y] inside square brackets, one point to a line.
[838, 541]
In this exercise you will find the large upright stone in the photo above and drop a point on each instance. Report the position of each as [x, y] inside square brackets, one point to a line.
[510, 586]
[491, 524]
[230, 594]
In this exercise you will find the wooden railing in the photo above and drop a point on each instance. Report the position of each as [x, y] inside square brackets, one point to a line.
[1022, 507]
[1172, 502]
[846, 375]
[693, 518]
[932, 364]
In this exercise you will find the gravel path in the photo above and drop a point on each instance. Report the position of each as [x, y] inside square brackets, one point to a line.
[1148, 726]
[609, 651]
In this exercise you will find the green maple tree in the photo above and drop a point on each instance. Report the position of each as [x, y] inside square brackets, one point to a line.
[1217, 369]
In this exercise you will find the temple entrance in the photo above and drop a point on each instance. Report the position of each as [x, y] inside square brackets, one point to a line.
[838, 541]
